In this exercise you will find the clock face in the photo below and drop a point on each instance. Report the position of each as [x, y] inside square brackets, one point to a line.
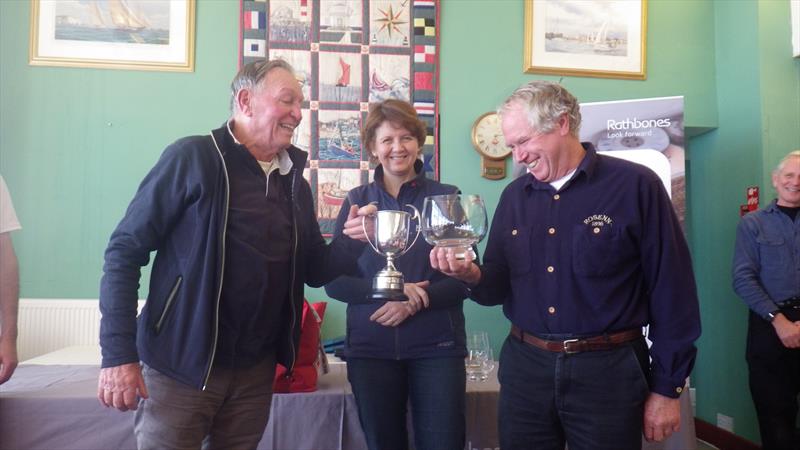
[487, 137]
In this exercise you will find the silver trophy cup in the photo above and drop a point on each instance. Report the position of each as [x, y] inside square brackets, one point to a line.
[392, 230]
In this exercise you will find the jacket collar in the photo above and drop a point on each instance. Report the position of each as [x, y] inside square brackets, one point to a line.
[288, 159]
[417, 181]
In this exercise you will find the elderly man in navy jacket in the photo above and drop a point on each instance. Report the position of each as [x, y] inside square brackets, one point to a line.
[232, 223]
[582, 253]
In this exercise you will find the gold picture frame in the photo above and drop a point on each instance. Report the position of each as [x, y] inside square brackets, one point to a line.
[586, 39]
[113, 34]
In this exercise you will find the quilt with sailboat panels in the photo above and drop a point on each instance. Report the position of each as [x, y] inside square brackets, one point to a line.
[347, 54]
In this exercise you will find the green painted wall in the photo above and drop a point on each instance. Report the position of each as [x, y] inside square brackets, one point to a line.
[758, 92]
[715, 198]
[74, 143]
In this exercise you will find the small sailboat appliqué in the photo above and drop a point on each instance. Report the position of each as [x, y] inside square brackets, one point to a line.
[344, 78]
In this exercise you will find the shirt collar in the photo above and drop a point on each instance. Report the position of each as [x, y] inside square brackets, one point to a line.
[283, 163]
[772, 207]
[588, 165]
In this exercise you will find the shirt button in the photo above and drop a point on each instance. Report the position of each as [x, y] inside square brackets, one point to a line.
[596, 230]
[551, 310]
[679, 390]
[513, 232]
[551, 269]
[551, 231]
[556, 197]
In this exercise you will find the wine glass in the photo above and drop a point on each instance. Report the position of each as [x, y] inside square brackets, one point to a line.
[454, 220]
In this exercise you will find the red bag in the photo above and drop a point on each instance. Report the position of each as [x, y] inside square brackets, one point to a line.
[309, 357]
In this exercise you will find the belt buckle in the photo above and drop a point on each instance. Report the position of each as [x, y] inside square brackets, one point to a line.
[566, 343]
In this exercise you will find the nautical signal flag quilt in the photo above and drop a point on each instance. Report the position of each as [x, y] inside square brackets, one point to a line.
[348, 54]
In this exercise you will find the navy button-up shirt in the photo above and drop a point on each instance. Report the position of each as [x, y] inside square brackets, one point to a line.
[605, 253]
[766, 260]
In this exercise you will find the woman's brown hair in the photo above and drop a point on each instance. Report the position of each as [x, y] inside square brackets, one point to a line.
[399, 113]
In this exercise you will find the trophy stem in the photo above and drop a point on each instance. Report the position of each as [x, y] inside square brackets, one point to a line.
[388, 283]
[390, 263]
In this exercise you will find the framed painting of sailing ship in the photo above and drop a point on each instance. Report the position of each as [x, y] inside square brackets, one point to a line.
[606, 39]
[113, 34]
[346, 55]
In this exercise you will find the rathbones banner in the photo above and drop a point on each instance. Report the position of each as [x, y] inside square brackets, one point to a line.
[636, 126]
[643, 124]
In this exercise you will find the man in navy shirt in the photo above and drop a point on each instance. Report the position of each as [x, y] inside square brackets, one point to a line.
[766, 275]
[583, 253]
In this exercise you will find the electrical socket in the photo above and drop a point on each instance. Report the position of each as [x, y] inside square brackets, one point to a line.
[693, 398]
[725, 422]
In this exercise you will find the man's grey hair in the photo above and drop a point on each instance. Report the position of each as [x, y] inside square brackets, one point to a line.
[782, 163]
[252, 74]
[545, 103]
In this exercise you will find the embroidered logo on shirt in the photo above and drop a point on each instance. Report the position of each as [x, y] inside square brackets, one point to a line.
[598, 220]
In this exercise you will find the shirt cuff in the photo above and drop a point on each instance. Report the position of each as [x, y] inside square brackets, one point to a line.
[667, 387]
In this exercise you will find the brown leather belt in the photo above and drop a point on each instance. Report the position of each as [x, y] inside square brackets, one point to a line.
[590, 344]
[792, 303]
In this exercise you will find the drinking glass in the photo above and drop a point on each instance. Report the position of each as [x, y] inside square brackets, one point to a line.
[454, 220]
[478, 351]
[487, 366]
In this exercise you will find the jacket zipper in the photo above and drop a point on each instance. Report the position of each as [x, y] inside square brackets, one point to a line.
[222, 264]
[294, 274]
[167, 306]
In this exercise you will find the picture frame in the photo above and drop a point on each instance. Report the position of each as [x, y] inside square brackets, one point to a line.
[603, 39]
[113, 34]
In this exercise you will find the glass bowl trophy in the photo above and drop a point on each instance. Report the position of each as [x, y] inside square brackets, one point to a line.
[454, 220]
[392, 230]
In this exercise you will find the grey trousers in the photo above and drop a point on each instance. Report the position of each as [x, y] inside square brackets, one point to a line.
[230, 414]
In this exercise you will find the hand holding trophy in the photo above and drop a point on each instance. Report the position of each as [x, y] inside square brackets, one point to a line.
[454, 220]
[392, 230]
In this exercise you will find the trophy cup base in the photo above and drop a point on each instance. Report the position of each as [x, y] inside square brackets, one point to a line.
[388, 296]
[388, 286]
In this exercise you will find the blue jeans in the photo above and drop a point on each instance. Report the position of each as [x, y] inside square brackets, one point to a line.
[590, 400]
[435, 388]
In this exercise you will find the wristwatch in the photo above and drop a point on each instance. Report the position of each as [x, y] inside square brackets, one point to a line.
[771, 315]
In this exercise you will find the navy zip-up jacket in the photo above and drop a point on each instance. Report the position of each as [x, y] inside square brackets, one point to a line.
[436, 331]
[180, 212]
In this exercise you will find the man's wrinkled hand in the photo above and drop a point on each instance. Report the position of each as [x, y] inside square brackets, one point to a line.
[444, 260]
[788, 332]
[662, 417]
[121, 386]
[360, 220]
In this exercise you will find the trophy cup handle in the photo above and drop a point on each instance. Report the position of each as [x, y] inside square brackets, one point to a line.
[364, 229]
[417, 216]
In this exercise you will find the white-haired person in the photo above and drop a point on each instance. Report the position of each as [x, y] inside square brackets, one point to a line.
[232, 222]
[766, 275]
[583, 252]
